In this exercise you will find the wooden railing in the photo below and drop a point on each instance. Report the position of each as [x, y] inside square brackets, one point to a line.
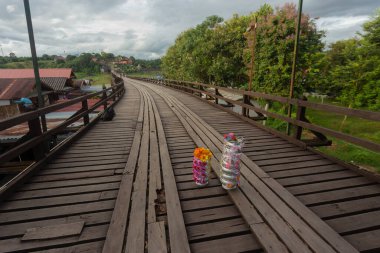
[38, 141]
[300, 122]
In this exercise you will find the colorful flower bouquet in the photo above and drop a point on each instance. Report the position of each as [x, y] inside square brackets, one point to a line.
[201, 166]
[230, 161]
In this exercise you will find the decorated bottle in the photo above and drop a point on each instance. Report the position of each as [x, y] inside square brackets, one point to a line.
[230, 161]
[201, 166]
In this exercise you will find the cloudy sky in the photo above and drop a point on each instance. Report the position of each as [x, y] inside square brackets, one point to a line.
[146, 28]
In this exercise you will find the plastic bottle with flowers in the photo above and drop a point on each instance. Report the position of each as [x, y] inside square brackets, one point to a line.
[201, 165]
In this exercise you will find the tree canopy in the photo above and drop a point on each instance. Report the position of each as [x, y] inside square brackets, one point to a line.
[353, 71]
[216, 51]
[219, 51]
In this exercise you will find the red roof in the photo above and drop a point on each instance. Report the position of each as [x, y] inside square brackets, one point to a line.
[29, 73]
[15, 88]
[11, 88]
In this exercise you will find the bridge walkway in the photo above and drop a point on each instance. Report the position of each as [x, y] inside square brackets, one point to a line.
[345, 199]
[126, 186]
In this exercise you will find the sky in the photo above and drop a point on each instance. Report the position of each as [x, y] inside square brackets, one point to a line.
[146, 28]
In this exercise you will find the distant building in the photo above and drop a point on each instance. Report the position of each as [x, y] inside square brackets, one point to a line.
[123, 61]
[59, 58]
[12, 89]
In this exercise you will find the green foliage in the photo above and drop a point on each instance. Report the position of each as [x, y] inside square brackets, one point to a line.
[274, 50]
[139, 65]
[84, 63]
[81, 63]
[210, 52]
[216, 52]
[146, 74]
[96, 79]
[364, 129]
[354, 68]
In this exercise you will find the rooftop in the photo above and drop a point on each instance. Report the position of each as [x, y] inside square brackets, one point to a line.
[16, 88]
[29, 73]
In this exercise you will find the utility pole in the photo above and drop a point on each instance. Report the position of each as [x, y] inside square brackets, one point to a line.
[35, 61]
[294, 65]
[252, 44]
[253, 48]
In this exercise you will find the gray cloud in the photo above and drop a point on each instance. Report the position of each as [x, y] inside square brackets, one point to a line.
[146, 28]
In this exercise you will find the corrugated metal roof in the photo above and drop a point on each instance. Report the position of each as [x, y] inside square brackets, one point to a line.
[10, 139]
[56, 83]
[11, 88]
[29, 73]
[15, 88]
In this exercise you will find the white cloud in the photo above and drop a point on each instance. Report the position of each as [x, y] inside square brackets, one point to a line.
[10, 8]
[338, 28]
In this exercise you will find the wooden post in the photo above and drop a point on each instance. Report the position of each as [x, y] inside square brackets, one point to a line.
[246, 98]
[113, 91]
[35, 130]
[244, 110]
[301, 111]
[104, 97]
[217, 94]
[294, 65]
[86, 118]
[35, 62]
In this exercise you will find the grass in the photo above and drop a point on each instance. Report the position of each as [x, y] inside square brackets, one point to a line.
[364, 129]
[361, 128]
[97, 79]
[146, 74]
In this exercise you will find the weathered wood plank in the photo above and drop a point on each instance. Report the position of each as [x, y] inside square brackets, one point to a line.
[271, 242]
[54, 231]
[116, 232]
[135, 241]
[18, 229]
[317, 245]
[89, 234]
[176, 224]
[55, 201]
[215, 229]
[241, 243]
[157, 237]
[154, 169]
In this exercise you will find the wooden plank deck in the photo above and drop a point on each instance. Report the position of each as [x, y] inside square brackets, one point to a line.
[126, 186]
[80, 185]
[311, 178]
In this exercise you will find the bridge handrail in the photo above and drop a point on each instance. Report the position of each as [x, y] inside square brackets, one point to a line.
[300, 121]
[21, 118]
[364, 114]
[37, 137]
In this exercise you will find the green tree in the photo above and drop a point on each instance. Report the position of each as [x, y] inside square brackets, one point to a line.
[191, 55]
[84, 63]
[215, 51]
[354, 67]
[274, 50]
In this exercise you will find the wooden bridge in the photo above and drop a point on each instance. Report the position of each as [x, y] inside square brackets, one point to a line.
[126, 185]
